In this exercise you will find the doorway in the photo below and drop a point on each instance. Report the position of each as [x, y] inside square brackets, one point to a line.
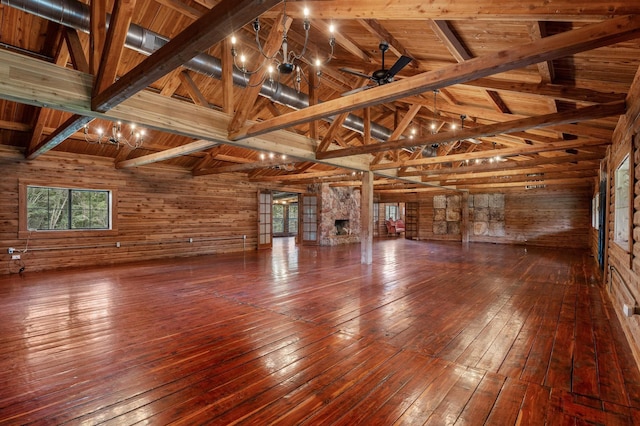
[285, 214]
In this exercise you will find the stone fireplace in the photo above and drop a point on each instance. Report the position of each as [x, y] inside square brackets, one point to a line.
[339, 214]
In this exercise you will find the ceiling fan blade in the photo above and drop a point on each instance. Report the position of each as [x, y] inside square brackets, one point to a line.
[402, 62]
[474, 141]
[356, 90]
[358, 73]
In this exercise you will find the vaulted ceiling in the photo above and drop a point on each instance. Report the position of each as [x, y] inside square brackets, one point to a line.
[498, 94]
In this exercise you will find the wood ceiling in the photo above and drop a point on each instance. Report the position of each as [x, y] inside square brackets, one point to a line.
[541, 86]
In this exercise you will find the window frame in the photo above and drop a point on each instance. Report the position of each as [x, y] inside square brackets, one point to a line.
[626, 245]
[24, 232]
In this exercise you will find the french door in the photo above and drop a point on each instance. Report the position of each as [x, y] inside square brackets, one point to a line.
[309, 223]
[265, 232]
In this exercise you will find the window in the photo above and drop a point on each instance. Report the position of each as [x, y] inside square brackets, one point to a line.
[293, 218]
[391, 211]
[622, 204]
[278, 218]
[67, 209]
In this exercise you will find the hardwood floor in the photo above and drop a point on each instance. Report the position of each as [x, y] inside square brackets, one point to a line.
[431, 333]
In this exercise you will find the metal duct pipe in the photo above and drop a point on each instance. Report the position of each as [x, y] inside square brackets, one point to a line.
[76, 15]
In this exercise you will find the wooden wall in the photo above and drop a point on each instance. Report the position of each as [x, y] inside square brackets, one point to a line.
[541, 217]
[622, 264]
[158, 211]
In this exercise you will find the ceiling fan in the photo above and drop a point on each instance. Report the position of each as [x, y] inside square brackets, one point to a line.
[381, 76]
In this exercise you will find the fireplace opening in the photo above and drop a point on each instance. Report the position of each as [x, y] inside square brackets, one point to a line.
[342, 227]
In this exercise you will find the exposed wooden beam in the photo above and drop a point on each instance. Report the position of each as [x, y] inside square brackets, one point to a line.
[227, 17]
[346, 43]
[244, 167]
[173, 82]
[331, 133]
[463, 175]
[297, 176]
[69, 127]
[455, 46]
[378, 30]
[97, 33]
[74, 46]
[114, 44]
[556, 46]
[450, 40]
[190, 86]
[538, 30]
[250, 93]
[586, 113]
[400, 128]
[556, 91]
[511, 10]
[182, 8]
[504, 152]
[69, 90]
[15, 125]
[166, 154]
[499, 166]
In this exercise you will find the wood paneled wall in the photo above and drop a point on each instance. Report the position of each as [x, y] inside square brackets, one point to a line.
[622, 265]
[157, 211]
[541, 217]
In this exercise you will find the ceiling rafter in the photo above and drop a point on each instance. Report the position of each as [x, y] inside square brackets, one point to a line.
[581, 114]
[74, 48]
[114, 44]
[192, 89]
[244, 167]
[210, 29]
[97, 33]
[512, 10]
[585, 38]
[503, 152]
[252, 91]
[167, 154]
[459, 51]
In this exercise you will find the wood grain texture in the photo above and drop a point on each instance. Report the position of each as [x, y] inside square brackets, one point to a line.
[308, 335]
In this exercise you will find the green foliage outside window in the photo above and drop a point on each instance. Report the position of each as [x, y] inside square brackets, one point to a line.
[278, 218]
[64, 209]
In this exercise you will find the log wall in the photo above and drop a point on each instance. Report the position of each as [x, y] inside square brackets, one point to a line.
[157, 211]
[622, 263]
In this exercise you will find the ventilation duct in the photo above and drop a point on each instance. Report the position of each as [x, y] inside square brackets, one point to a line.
[74, 14]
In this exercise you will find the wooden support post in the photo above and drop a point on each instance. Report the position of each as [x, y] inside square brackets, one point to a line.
[366, 219]
[465, 218]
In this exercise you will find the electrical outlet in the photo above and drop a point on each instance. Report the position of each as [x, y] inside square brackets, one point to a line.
[190, 240]
[118, 244]
[15, 257]
[11, 250]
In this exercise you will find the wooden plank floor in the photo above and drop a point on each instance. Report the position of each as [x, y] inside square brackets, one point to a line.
[431, 333]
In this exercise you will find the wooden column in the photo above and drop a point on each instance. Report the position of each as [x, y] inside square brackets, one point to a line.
[465, 217]
[366, 219]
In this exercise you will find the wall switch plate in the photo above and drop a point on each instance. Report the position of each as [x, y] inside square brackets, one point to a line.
[15, 257]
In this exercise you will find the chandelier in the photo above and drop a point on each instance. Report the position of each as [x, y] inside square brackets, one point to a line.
[284, 60]
[133, 139]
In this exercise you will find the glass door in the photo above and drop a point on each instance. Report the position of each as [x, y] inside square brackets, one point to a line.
[265, 199]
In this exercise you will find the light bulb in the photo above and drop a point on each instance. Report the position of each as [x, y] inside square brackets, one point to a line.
[233, 40]
[332, 28]
[306, 12]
